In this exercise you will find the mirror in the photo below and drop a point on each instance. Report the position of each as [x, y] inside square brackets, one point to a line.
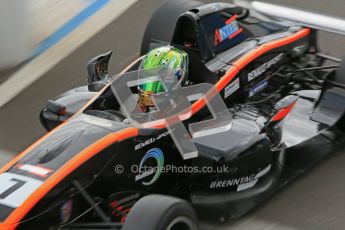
[56, 108]
[97, 69]
[53, 115]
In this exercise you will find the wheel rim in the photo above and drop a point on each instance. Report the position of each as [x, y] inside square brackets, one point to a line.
[181, 223]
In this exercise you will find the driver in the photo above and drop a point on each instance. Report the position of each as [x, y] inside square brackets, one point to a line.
[163, 57]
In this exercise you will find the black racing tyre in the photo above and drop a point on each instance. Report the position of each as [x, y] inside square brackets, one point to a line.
[158, 212]
[162, 22]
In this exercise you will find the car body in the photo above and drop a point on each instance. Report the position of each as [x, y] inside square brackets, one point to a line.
[287, 113]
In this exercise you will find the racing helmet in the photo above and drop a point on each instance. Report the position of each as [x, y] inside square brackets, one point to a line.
[168, 57]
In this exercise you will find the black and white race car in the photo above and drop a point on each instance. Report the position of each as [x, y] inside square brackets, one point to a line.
[285, 104]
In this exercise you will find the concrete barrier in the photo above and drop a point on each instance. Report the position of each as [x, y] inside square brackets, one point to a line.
[25, 24]
[14, 35]
[40, 65]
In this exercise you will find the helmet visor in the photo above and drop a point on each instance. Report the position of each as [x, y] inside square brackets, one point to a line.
[152, 87]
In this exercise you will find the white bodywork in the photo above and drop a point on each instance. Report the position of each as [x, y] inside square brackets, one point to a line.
[301, 17]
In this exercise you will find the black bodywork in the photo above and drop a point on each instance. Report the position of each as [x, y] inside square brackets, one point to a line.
[261, 155]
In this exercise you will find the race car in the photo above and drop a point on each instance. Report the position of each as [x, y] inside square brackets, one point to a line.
[101, 166]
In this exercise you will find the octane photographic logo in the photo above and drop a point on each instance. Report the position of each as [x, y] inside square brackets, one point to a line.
[172, 107]
[156, 154]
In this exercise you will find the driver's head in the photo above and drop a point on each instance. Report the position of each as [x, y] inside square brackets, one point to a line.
[163, 57]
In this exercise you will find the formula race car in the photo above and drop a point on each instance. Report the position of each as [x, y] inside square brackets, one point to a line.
[102, 167]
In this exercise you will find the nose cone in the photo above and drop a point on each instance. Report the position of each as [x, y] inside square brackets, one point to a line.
[69, 140]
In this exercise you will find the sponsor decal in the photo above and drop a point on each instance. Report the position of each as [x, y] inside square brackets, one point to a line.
[230, 30]
[35, 170]
[150, 140]
[232, 88]
[263, 68]
[258, 87]
[158, 156]
[242, 183]
[232, 182]
[143, 144]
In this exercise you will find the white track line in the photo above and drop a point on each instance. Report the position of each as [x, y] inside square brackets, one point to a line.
[35, 69]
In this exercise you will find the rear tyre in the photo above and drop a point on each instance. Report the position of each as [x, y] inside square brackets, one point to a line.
[162, 23]
[158, 212]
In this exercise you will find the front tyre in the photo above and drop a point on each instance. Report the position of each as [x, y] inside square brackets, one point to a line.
[158, 212]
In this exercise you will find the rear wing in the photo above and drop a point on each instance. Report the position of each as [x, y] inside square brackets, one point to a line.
[309, 19]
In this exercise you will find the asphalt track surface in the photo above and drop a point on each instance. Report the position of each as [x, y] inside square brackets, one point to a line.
[315, 201]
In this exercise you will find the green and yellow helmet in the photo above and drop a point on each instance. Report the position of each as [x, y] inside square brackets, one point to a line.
[163, 57]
